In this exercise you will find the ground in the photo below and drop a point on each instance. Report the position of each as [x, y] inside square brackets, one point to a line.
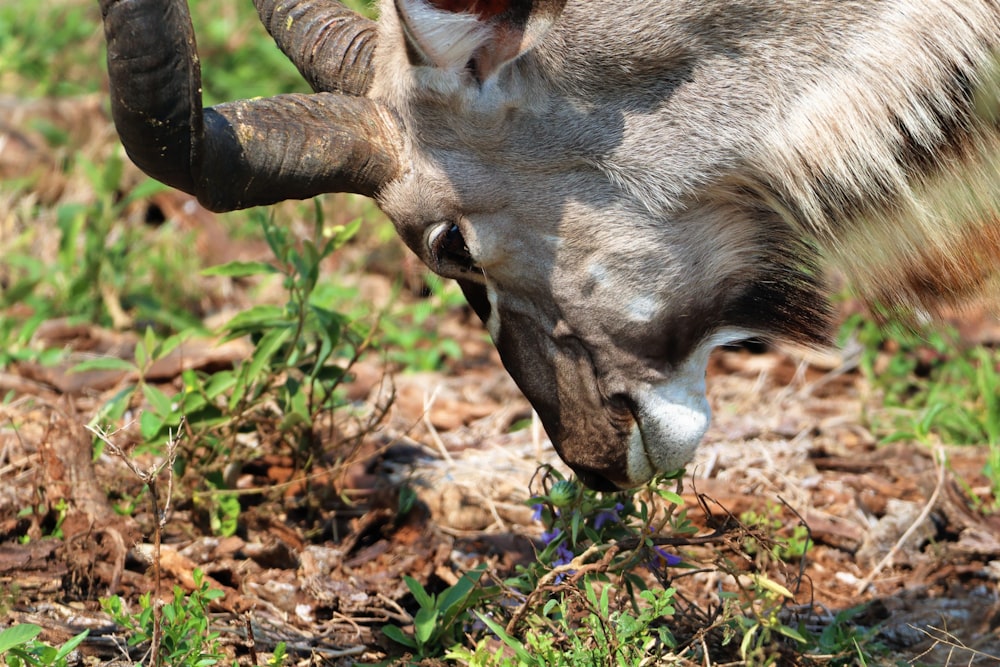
[319, 552]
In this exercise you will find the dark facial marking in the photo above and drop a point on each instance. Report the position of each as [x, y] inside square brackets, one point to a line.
[475, 294]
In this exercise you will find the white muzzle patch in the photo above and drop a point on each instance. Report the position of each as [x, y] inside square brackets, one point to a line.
[671, 420]
[672, 416]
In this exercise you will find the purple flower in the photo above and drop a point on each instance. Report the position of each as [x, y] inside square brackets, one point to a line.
[604, 516]
[562, 555]
[663, 558]
[536, 514]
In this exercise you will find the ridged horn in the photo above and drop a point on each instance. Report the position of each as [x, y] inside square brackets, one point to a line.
[331, 45]
[238, 154]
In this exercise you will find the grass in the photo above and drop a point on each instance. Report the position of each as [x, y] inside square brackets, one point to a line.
[600, 588]
[933, 389]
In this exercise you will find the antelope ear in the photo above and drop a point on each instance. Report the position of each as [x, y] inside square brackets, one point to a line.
[482, 34]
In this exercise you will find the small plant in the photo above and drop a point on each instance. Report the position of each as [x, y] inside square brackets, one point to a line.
[302, 351]
[604, 635]
[933, 389]
[297, 341]
[406, 336]
[181, 636]
[784, 545]
[19, 647]
[844, 641]
[757, 618]
[587, 598]
[439, 622]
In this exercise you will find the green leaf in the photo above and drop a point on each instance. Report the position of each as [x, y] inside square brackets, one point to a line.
[147, 188]
[764, 583]
[424, 624]
[549, 606]
[514, 644]
[150, 425]
[456, 594]
[297, 407]
[192, 402]
[267, 347]
[419, 593]
[792, 633]
[219, 383]
[240, 269]
[748, 639]
[115, 408]
[167, 346]
[103, 364]
[671, 497]
[396, 635]
[18, 635]
[257, 318]
[340, 235]
[68, 647]
[141, 355]
[239, 388]
[19, 290]
[42, 654]
[162, 405]
[307, 265]
[575, 524]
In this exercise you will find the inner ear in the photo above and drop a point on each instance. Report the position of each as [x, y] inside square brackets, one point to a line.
[485, 9]
[451, 34]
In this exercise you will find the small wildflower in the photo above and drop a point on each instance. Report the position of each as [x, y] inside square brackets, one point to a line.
[663, 558]
[605, 516]
[563, 555]
[536, 512]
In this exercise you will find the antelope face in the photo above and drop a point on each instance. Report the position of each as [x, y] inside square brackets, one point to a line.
[604, 320]
[581, 299]
[603, 305]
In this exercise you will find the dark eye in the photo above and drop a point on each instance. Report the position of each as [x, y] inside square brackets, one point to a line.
[448, 247]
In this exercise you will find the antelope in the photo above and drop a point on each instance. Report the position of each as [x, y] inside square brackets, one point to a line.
[617, 187]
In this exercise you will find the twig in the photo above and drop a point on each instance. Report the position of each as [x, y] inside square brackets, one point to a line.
[928, 506]
[251, 640]
[578, 564]
[149, 478]
[633, 543]
[435, 437]
[951, 641]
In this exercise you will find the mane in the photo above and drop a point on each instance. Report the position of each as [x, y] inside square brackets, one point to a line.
[891, 161]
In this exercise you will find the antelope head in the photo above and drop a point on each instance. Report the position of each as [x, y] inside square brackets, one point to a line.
[617, 187]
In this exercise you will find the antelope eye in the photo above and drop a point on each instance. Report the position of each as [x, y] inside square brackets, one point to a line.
[448, 248]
